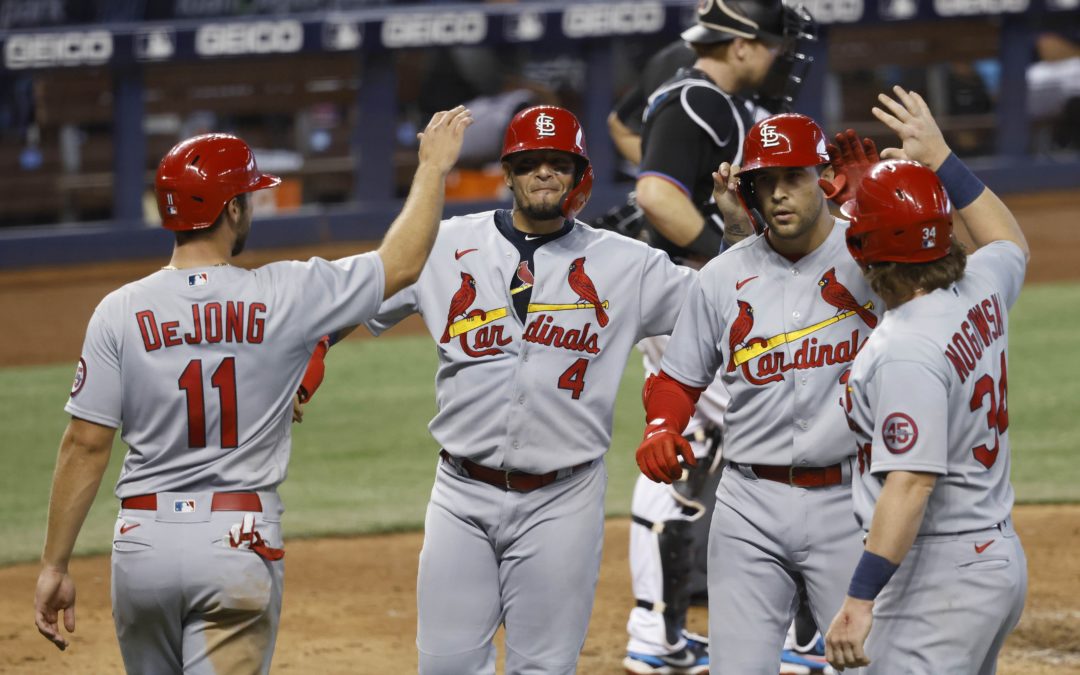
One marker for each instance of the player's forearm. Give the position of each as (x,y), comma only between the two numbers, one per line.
(668,402)
(987,220)
(408,242)
(669,210)
(898,514)
(626,141)
(981,212)
(80,464)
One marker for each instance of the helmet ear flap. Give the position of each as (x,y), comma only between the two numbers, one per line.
(576,198)
(748,199)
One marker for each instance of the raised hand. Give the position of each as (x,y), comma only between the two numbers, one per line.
(726,195)
(911,119)
(850,159)
(440,141)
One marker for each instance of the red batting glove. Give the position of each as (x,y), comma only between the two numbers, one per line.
(851,158)
(658,455)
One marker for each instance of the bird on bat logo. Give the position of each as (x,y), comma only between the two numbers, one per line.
(582,285)
(837,295)
(459,304)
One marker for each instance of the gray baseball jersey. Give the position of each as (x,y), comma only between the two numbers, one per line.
(533,334)
(534,395)
(199,366)
(783,332)
(928,393)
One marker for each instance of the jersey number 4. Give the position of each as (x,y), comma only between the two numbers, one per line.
(224,380)
(573,378)
(997,417)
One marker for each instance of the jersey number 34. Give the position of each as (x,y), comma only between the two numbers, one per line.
(997,417)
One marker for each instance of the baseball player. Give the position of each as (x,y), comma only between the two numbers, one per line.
(198,364)
(943,576)
(533,315)
(693,122)
(780,317)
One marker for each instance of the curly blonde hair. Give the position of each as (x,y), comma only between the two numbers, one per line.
(897,283)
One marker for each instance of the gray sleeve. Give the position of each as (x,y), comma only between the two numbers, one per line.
(911,418)
(95,393)
(394,309)
(332,294)
(1003,263)
(693,355)
(661,291)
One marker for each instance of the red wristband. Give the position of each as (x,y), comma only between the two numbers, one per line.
(316,369)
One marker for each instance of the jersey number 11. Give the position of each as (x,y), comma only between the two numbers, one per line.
(224,380)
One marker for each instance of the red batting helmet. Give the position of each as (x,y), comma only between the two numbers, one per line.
(549,127)
(790,139)
(787,140)
(900,214)
(198,177)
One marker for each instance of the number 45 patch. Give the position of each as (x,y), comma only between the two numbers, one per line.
(899,433)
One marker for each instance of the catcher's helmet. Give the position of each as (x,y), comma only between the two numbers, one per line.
(787,140)
(767,20)
(900,214)
(722,20)
(198,177)
(549,127)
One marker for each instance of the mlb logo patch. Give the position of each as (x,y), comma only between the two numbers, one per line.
(184,506)
(200,279)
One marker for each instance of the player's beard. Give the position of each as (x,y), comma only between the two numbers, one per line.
(540,211)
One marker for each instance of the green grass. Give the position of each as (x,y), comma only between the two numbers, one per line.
(1044,393)
(363,460)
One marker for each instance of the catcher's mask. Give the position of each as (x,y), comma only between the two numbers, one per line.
(549,127)
(770,21)
(786,140)
(900,214)
(198,177)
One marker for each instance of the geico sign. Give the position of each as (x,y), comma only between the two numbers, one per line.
(418,30)
(41,50)
(836,11)
(621,18)
(259,37)
(964,7)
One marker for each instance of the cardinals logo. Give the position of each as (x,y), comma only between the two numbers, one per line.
(475,324)
(582,285)
(459,304)
(545,125)
(740,328)
(837,295)
(770,137)
(808,350)
(525,276)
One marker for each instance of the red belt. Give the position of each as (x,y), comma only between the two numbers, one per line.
(222,501)
(800,476)
(508,480)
